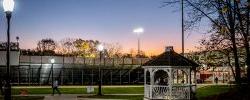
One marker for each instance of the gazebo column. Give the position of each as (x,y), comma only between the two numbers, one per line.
(193,89)
(190,82)
(170,83)
(145,82)
(151,83)
(145,77)
(195,81)
(189,76)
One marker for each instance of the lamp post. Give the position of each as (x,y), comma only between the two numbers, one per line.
(17,41)
(8,6)
(100,48)
(138,32)
(182,27)
(52,70)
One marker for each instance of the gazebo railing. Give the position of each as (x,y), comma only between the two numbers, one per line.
(160,92)
(163,92)
(181,92)
(156,92)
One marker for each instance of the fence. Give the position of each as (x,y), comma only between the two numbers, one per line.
(37,70)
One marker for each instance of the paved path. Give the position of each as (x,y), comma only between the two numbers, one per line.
(105,86)
(61,97)
(98,99)
(74,97)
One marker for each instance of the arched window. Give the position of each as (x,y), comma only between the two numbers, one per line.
(180,77)
(161,77)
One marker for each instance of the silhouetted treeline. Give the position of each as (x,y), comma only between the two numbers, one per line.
(78,47)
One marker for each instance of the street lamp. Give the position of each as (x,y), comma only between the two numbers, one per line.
(8,6)
(138,32)
(17,41)
(52,61)
(100,48)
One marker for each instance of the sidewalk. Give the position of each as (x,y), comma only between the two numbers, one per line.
(81,86)
(61,97)
(74,96)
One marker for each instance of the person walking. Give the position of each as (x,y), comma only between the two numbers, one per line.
(2,83)
(216,80)
(55,87)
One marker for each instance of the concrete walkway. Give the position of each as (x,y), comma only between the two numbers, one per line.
(98,99)
(74,97)
(61,97)
(80,86)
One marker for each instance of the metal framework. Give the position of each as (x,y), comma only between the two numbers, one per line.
(36,75)
(37,70)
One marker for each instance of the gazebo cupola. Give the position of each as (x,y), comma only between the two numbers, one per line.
(169,76)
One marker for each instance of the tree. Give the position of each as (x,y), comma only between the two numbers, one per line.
(113,49)
(222,46)
(46,46)
(13,46)
(67,46)
(242,10)
(226,15)
(86,48)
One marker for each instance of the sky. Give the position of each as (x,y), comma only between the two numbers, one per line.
(110,21)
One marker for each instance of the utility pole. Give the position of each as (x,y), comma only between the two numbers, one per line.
(182,26)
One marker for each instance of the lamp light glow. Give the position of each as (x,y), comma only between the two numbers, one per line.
(52,61)
(8,5)
(139,30)
(100,47)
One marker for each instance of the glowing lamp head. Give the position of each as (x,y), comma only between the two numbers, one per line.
(139,30)
(100,47)
(52,61)
(8,5)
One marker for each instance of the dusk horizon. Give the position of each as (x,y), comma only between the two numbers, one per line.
(107,21)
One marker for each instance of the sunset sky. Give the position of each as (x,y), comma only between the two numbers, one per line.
(110,21)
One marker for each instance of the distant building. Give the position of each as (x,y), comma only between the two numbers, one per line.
(216,64)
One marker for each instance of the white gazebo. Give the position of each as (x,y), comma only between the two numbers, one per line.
(169,76)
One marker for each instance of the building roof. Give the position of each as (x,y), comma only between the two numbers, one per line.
(170,58)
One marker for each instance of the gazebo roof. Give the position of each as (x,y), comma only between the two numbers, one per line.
(170,58)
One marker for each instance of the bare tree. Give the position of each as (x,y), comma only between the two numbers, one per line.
(67,46)
(113,49)
(226,15)
(46,45)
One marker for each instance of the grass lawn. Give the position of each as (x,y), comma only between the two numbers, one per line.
(105,90)
(25,98)
(130,97)
(211,90)
(201,93)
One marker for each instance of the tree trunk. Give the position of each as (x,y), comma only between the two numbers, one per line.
(247,47)
(229,63)
(236,59)
(245,35)
(248,61)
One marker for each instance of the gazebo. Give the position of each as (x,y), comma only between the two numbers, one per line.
(169,76)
